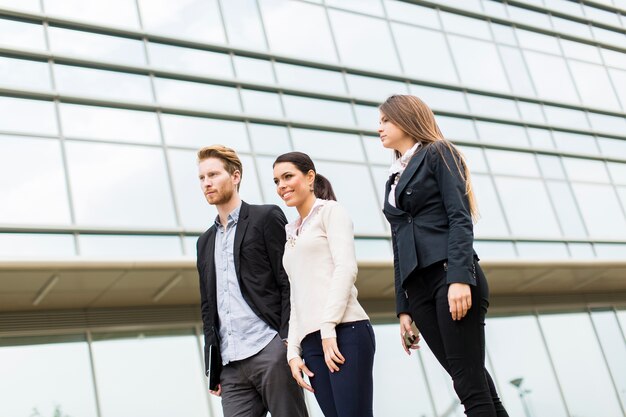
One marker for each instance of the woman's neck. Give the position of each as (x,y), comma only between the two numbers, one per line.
(405,146)
(305,208)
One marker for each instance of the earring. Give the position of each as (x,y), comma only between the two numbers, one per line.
(311,187)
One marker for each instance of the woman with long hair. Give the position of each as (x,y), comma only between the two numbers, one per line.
(430,205)
(330,337)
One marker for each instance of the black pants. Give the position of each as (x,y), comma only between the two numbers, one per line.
(458,345)
(349,392)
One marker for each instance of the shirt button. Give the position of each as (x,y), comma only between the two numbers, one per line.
(410,220)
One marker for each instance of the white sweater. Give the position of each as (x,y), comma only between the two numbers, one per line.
(322,269)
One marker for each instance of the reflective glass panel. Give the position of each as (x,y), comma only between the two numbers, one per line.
(374,88)
(585,170)
(618,78)
(608,36)
(551,77)
(328,145)
(111,85)
(31,173)
(465,25)
(479,64)
(255,70)
(531,112)
(542,250)
(365,6)
(613,346)
(298,29)
(540,138)
(412,13)
(609,124)
(424,53)
(195,95)
(197,132)
(20,35)
(95,46)
(570,27)
(357,36)
(581,250)
(250,190)
(538,41)
(376,154)
(500,133)
(243,24)
(494,250)
(194,19)
(551,167)
(503,33)
(516,70)
(456,129)
(24,74)
(28,116)
(610,251)
(573,142)
(560,116)
(373,250)
(491,221)
(475,158)
(603,16)
(318,111)
(493,106)
(109,13)
(618,172)
(260,103)
(127,364)
(106,123)
(594,199)
(440,99)
(530,17)
(36,246)
(367,117)
(64,388)
(195,61)
(512,163)
(536,219)
(586,386)
(582,51)
(30,5)
(134,247)
(614,58)
(119,185)
(303,78)
(273,140)
(594,85)
(528,361)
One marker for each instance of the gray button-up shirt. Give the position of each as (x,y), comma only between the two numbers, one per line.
(242,333)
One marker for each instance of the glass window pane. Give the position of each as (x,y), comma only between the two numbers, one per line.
(367,117)
(189,243)
(303,78)
(586,170)
(529,361)
(250,191)
(613,346)
(586,384)
(30,5)
(479,64)
(614,58)
(328,145)
(542,250)
(298,29)
(594,85)
(15,34)
(576,143)
(24,74)
(538,41)
(119,185)
(127,364)
(614,148)
(560,116)
(493,107)
(109,13)
(474,158)
(374,88)
(243,24)
(551,167)
(318,111)
(31,172)
(412,13)
(618,172)
(530,17)
(376,154)
(571,28)
(502,134)
(610,251)
(551,77)
(365,6)
(594,199)
(194,210)
(415,44)
(531,220)
(531,112)
(357,36)
(603,16)
(95,46)
(192,132)
(581,250)
(273,140)
(373,250)
(28,116)
(260,103)
(607,36)
(105,123)
(609,124)
(512,163)
(491,222)
(581,51)
(494,250)
(134,247)
(457,129)
(36,246)
(111,85)
(516,71)
(540,138)
(465,25)
(193,19)
(503,33)
(32,389)
(618,79)
(441,99)
(188,60)
(254,70)
(195,95)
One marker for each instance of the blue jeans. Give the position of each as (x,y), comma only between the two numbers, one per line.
(349,392)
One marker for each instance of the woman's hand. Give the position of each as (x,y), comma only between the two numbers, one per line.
(332,356)
(297,367)
(459,299)
(405,328)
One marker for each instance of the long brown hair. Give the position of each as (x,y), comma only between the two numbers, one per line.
(417,120)
(321,186)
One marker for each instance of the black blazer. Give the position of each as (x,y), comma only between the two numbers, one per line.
(432,220)
(258,252)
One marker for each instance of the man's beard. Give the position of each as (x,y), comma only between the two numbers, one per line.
(222,197)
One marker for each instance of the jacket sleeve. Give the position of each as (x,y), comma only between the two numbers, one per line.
(275,238)
(340,235)
(456,203)
(402,303)
(209,332)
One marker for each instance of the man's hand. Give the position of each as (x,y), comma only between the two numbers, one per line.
(332,356)
(459,299)
(217,393)
(297,367)
(405,327)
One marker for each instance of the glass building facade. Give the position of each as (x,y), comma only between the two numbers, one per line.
(104,103)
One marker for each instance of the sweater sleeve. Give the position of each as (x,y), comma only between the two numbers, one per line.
(340,236)
(293,339)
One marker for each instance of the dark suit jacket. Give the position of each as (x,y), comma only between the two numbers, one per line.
(258,252)
(432,220)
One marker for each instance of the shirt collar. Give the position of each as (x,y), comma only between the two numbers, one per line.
(292,228)
(398,165)
(233,217)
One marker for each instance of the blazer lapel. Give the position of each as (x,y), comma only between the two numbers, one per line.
(242,225)
(211,276)
(409,171)
(388,208)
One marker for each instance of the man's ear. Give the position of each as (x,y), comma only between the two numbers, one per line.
(236,177)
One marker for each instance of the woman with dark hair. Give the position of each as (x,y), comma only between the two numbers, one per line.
(430,205)
(330,337)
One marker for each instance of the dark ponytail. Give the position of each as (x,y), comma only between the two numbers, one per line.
(321,186)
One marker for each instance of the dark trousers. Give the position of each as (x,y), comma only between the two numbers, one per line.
(253,386)
(458,345)
(349,392)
